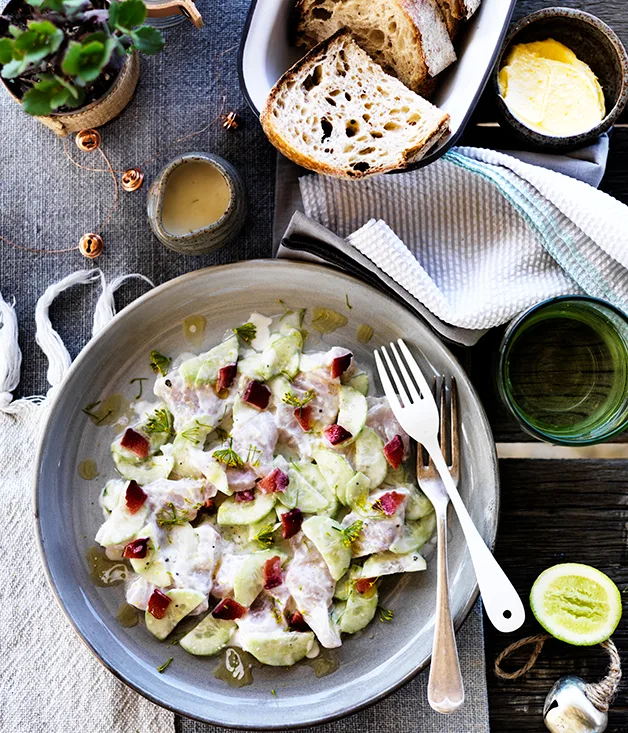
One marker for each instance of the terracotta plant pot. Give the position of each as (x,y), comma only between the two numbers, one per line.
(102,110)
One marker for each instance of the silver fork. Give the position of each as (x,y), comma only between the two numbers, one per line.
(415,409)
(445,690)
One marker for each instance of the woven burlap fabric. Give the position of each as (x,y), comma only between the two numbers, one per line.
(51,683)
(47,202)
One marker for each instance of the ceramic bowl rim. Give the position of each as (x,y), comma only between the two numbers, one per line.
(164,174)
(85,355)
(539,138)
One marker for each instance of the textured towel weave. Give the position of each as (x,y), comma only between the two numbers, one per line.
(479,236)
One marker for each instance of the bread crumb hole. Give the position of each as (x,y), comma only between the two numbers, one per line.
(376,134)
(334,92)
(413,119)
(321,13)
(366,117)
(378,38)
(330,100)
(352,127)
(391,126)
(327,128)
(366,151)
(313,79)
(361,167)
(347,96)
(392,27)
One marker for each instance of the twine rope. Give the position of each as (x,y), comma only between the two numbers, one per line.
(601,694)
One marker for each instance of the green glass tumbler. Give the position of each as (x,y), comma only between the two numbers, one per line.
(563,370)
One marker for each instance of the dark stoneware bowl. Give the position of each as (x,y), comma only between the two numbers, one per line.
(594,43)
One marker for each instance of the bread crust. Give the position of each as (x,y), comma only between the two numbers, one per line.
(308,161)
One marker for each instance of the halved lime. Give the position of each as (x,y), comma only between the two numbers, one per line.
(576,603)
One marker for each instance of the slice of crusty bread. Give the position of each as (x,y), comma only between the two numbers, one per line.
(338,113)
(452,11)
(408,38)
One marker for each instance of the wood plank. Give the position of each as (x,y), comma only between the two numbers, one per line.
(552,512)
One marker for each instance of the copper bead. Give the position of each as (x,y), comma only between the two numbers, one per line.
(88,140)
(132,179)
(91,245)
(230,121)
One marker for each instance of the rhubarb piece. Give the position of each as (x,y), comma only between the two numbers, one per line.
(276,480)
(136,443)
(272,572)
(364,585)
(336,434)
(291,523)
(209,507)
(246,495)
(136,550)
(158,604)
(229,610)
(297,622)
(390,502)
(340,364)
(303,416)
(226,375)
(134,497)
(393,450)
(256,394)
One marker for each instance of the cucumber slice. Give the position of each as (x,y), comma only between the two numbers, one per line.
(415,535)
(152,567)
(209,637)
(353,410)
(278,648)
(302,493)
(203,369)
(370,458)
(183,602)
(418,505)
(281,356)
(249,580)
(360,382)
(327,536)
(144,472)
(314,477)
(110,495)
(344,585)
(357,492)
(216,476)
(280,387)
(388,563)
(336,471)
(358,611)
(245,512)
(121,526)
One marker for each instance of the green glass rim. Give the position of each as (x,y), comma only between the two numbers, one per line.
(505,395)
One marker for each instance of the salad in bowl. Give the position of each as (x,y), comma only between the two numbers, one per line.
(265,492)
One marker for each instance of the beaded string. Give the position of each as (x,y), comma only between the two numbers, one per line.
(229,122)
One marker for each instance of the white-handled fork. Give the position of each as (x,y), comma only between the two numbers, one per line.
(414,407)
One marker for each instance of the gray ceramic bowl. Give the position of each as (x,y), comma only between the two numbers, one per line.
(594,43)
(209,238)
(372,663)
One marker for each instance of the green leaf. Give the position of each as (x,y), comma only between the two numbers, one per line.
(85,61)
(114,10)
(49,93)
(41,39)
(37,101)
(6,50)
(14,68)
(15,31)
(129,14)
(147,39)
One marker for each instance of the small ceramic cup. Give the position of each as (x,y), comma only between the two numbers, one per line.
(594,43)
(213,236)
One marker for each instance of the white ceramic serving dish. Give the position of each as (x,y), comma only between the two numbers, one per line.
(266,53)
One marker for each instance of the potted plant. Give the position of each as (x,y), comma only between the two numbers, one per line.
(73,63)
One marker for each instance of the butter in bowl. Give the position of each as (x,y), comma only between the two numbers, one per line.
(562,78)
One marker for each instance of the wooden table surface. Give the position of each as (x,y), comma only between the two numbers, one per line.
(568,510)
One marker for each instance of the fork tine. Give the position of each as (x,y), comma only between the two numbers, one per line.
(405,374)
(414,368)
(389,390)
(396,379)
(455,432)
